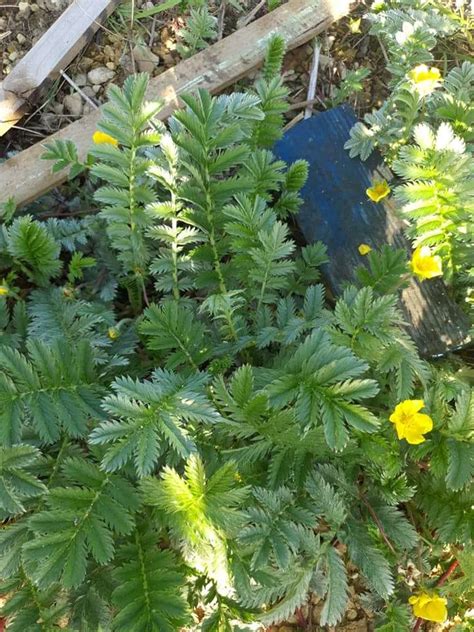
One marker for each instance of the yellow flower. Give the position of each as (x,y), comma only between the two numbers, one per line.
(425,265)
(101,137)
(425,79)
(364,249)
(3,290)
(113,333)
(378,191)
(431,608)
(409,422)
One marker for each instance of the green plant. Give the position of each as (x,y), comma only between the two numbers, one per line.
(201,27)
(350,85)
(227,449)
(437,113)
(437,196)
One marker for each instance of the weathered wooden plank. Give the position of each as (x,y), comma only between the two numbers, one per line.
(336,210)
(25,176)
(52,53)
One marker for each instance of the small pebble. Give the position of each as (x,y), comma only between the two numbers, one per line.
(24,9)
(88,90)
(58,108)
(146,60)
(73,104)
(108,51)
(21,38)
(100,75)
(125,64)
(351,614)
(80,79)
(86,62)
(13,56)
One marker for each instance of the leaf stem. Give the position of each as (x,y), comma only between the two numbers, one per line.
(378,523)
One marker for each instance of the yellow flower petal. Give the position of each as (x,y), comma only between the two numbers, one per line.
(101,138)
(400,430)
(3,290)
(425,79)
(364,249)
(413,436)
(409,423)
(378,191)
(423,73)
(425,265)
(430,608)
(423,422)
(407,408)
(436,610)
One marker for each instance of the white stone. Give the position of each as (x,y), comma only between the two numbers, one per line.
(73,104)
(80,79)
(100,75)
(24,8)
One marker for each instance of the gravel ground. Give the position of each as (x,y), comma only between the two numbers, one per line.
(118,49)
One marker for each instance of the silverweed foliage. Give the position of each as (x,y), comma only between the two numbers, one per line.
(191,437)
(425,128)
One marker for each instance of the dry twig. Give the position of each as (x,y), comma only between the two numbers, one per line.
(78,90)
(250,16)
(220,20)
(313,78)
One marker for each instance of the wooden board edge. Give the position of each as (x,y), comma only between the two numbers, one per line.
(13,103)
(25,177)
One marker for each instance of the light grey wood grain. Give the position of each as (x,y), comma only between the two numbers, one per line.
(52,53)
(26,176)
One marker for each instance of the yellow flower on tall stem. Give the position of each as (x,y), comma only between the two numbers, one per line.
(425,265)
(378,191)
(101,138)
(410,424)
(425,79)
(429,607)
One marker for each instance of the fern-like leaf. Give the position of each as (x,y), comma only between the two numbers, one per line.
(150,417)
(48,390)
(150,592)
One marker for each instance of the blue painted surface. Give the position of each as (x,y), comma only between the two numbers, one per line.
(336,208)
(337,211)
